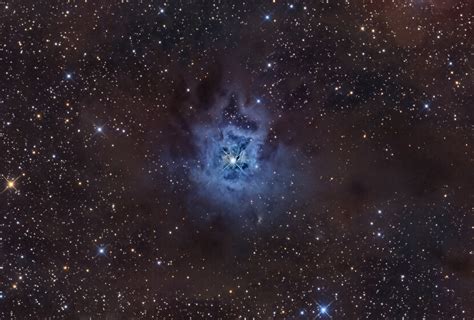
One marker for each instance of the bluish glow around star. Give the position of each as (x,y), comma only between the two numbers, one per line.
(235,167)
(102,250)
(323,310)
(231,158)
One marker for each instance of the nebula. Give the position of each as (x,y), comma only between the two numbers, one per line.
(237,170)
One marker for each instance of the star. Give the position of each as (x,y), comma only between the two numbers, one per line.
(102,251)
(323,310)
(10,184)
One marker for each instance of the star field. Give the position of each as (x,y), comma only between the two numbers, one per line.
(236,159)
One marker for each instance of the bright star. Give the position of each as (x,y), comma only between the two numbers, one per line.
(323,310)
(10,184)
(102,250)
(267,17)
(234,160)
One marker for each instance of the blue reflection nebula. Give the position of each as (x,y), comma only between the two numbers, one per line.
(237,168)
(230,159)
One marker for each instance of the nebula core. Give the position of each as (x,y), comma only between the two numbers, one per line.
(236,170)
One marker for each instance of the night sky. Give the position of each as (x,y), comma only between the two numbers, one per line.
(236,159)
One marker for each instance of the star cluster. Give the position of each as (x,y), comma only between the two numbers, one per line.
(236,159)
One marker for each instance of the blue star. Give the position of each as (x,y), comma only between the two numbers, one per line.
(323,310)
(102,251)
(267,17)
